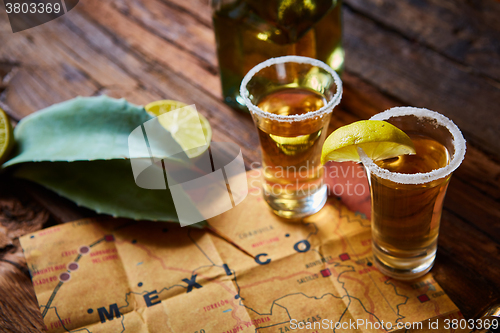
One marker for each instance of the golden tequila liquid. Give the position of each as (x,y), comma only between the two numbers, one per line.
(251,31)
(291,151)
(406,217)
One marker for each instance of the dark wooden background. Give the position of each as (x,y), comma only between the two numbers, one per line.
(439,54)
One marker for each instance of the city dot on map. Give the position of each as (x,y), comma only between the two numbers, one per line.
(423,298)
(344,256)
(302,247)
(287,235)
(84,249)
(236,296)
(64,277)
(369,264)
(109,238)
(89,311)
(326,272)
(73,266)
(139,284)
(32,236)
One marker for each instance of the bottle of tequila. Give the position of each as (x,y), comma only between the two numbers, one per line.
(251,31)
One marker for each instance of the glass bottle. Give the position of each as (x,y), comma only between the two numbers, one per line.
(251,31)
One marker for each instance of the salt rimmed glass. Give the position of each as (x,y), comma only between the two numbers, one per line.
(291,141)
(407,207)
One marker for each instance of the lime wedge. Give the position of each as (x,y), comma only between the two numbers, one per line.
(380,140)
(183,124)
(6,136)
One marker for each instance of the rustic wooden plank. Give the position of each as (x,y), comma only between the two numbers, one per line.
(199,9)
(175,25)
(472,205)
(467,265)
(61,209)
(469,247)
(464,31)
(18,304)
(154,49)
(34,88)
(362,98)
(466,287)
(418,76)
(64,67)
(165,83)
(18,215)
(482,172)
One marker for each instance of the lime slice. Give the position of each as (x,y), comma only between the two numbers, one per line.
(380,140)
(6,136)
(183,124)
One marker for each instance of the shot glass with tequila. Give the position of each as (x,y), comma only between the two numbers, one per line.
(408,191)
(291,99)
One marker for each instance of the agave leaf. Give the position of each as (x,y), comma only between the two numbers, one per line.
(81,129)
(92,134)
(104,186)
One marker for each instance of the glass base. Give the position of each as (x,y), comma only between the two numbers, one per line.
(297,208)
(404,268)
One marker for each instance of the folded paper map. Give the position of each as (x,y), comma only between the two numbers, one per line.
(252,273)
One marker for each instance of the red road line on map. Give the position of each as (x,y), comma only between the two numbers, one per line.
(344,244)
(342,238)
(334,271)
(148,252)
(436,303)
(368,250)
(233,314)
(274,278)
(366,291)
(436,307)
(346,216)
(372,306)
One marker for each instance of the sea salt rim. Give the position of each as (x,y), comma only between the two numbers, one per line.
(335,100)
(419,178)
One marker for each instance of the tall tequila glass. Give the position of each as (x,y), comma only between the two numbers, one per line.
(291,100)
(408,191)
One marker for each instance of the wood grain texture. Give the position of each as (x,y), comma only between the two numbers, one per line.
(419,76)
(465,32)
(443,55)
(18,215)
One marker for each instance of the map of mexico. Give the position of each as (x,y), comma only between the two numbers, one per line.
(113,275)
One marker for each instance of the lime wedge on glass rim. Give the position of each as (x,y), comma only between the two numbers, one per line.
(6,136)
(183,125)
(379,140)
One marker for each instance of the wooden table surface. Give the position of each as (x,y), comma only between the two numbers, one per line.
(443,55)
